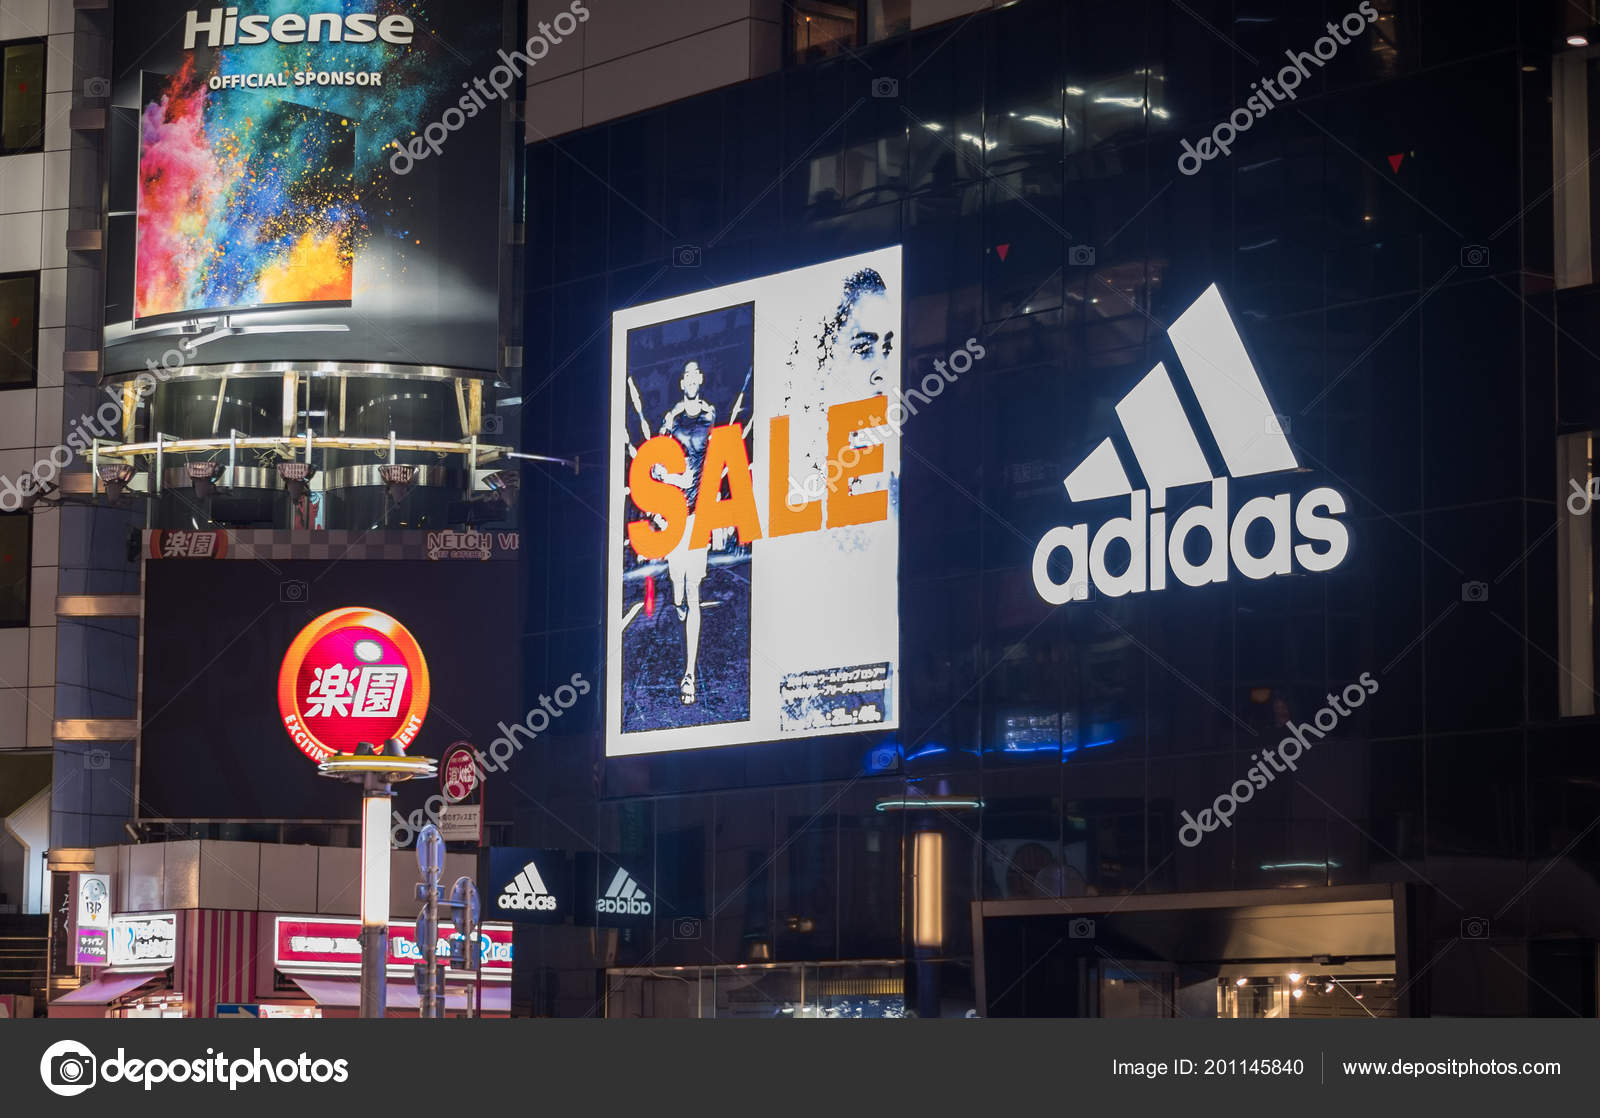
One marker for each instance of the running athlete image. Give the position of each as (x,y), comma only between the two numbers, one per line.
(690,422)
(684,654)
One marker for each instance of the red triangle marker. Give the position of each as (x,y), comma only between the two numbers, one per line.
(1394,162)
(1002,250)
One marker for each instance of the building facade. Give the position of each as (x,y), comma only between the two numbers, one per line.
(1229,623)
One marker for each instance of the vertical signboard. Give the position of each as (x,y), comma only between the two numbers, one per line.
(91,934)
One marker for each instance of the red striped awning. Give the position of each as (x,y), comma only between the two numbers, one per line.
(217,958)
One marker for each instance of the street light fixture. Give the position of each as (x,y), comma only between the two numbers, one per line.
(376,772)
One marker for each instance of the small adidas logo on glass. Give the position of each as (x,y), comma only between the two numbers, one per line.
(527,891)
(623,895)
(1251,439)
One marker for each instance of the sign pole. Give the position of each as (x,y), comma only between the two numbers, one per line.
(483,816)
(430,987)
(375,837)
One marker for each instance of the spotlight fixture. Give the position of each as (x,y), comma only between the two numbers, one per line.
(1300,992)
(1577,40)
(202,478)
(507,483)
(296,477)
(1294,977)
(1240,981)
(397,478)
(115,479)
(32,490)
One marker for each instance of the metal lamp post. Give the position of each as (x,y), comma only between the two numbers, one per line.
(376,773)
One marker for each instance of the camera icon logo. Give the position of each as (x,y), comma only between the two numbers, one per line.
(885,87)
(1081,928)
(1474,927)
(67,1068)
(1474,256)
(494,425)
(686,927)
(96,87)
(293,591)
(97,759)
(1277,425)
(686,256)
(1080,256)
(1474,591)
(882,759)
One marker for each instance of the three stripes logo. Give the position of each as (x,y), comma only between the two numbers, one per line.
(623,895)
(1166,449)
(527,891)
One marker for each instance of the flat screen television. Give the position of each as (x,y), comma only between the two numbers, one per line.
(246,202)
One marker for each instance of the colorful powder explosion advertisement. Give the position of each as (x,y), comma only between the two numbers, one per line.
(255,185)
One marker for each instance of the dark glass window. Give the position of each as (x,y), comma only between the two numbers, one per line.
(16,547)
(22,98)
(19,329)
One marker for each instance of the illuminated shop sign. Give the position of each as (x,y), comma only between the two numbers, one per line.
(1197,547)
(752,587)
(528,886)
(352,675)
(145,940)
(92,919)
(332,945)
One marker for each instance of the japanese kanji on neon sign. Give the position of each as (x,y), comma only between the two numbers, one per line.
(352,675)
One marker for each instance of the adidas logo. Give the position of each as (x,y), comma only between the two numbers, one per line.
(623,895)
(527,891)
(1168,453)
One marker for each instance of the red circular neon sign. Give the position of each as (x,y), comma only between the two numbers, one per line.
(352,675)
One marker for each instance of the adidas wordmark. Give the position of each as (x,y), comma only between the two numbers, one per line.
(527,891)
(623,895)
(1168,453)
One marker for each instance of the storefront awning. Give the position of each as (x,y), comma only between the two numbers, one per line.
(345,992)
(108,988)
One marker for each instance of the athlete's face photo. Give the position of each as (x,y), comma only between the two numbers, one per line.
(693,378)
(865,345)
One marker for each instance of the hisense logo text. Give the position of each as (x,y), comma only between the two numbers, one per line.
(223,27)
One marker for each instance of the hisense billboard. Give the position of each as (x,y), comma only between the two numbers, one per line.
(309,180)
